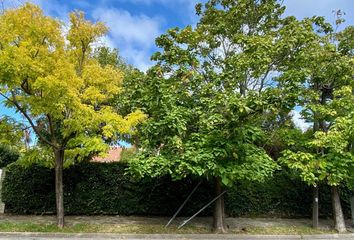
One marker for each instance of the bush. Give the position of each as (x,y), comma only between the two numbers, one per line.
(281,195)
(28,190)
(7,155)
(127,154)
(97,188)
(104,188)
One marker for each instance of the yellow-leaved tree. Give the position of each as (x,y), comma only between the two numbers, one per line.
(51,78)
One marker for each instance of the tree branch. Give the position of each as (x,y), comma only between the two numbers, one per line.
(25,114)
(264,77)
(25,87)
(51,130)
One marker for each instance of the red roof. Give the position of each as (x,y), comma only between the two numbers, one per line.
(113,155)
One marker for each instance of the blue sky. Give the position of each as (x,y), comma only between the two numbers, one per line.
(134,24)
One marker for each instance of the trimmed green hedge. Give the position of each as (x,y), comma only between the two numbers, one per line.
(7,155)
(104,188)
(96,188)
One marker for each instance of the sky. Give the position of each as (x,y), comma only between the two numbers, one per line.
(134,24)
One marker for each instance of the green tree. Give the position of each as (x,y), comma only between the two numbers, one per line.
(333,160)
(54,81)
(132,90)
(325,157)
(110,57)
(211,88)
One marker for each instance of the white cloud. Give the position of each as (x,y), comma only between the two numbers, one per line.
(106,41)
(184,8)
(306,8)
(146,1)
(149,2)
(140,57)
(299,121)
(133,35)
(139,29)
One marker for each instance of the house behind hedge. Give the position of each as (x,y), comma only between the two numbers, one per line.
(113,155)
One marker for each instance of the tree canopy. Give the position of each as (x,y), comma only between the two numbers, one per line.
(326,99)
(215,88)
(53,80)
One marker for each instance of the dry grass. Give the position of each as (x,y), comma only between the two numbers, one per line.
(289,230)
(151,229)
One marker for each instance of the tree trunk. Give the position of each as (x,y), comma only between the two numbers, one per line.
(219,211)
(352,208)
(338,217)
(315,207)
(59,193)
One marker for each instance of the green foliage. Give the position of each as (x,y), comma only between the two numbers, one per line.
(311,168)
(41,156)
(8,155)
(52,78)
(127,154)
(55,82)
(327,101)
(346,41)
(333,162)
(213,85)
(131,92)
(110,57)
(285,138)
(281,195)
(97,188)
(104,188)
(11,132)
(28,188)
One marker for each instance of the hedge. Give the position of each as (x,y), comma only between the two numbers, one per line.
(7,155)
(105,188)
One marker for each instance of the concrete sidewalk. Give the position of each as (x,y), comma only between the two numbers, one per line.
(103,236)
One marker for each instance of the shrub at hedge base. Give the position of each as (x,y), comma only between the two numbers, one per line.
(105,188)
